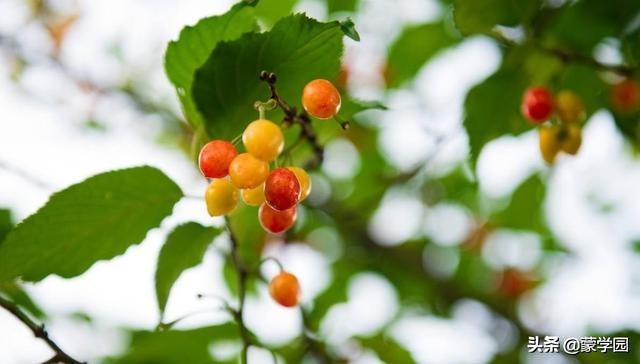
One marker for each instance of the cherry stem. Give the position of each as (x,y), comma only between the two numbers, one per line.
(236,140)
(39,332)
(292,116)
(272,259)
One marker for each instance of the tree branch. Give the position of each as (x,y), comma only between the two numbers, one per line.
(39,332)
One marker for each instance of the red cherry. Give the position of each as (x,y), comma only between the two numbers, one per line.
(275,221)
(537,104)
(215,157)
(626,96)
(282,189)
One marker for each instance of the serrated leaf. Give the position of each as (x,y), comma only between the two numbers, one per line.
(176,346)
(96,219)
(415,47)
(298,49)
(185,247)
(474,16)
(492,109)
(195,43)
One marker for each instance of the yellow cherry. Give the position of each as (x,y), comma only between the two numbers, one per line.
(221,197)
(263,139)
(247,171)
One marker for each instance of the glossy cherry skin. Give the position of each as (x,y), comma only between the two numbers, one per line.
(215,158)
(537,104)
(282,189)
(221,197)
(285,289)
(321,99)
(247,171)
(275,221)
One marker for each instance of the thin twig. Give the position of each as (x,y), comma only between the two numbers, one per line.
(292,116)
(243,274)
(39,332)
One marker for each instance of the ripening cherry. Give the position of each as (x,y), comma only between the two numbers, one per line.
(275,221)
(549,142)
(263,139)
(304,180)
(537,104)
(513,283)
(572,139)
(247,171)
(285,289)
(221,197)
(253,196)
(215,157)
(569,107)
(321,99)
(282,189)
(625,96)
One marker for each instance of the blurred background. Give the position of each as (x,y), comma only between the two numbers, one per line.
(397,243)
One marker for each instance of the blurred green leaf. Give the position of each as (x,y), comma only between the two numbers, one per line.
(185,247)
(334,6)
(270,11)
(249,235)
(481,16)
(414,47)
(387,349)
(349,29)
(605,19)
(195,43)
(20,297)
(93,220)
(525,209)
(176,346)
(492,109)
(350,107)
(6,223)
(298,49)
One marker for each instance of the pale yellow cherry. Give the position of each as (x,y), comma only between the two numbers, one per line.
(253,196)
(221,197)
(263,139)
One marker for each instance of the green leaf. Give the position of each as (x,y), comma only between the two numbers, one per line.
(349,29)
(6,223)
(270,11)
(481,16)
(93,220)
(185,247)
(387,349)
(20,297)
(249,235)
(334,6)
(524,211)
(415,47)
(350,107)
(195,43)
(298,49)
(176,346)
(492,109)
(605,19)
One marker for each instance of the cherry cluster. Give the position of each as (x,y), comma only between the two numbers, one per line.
(565,135)
(278,190)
